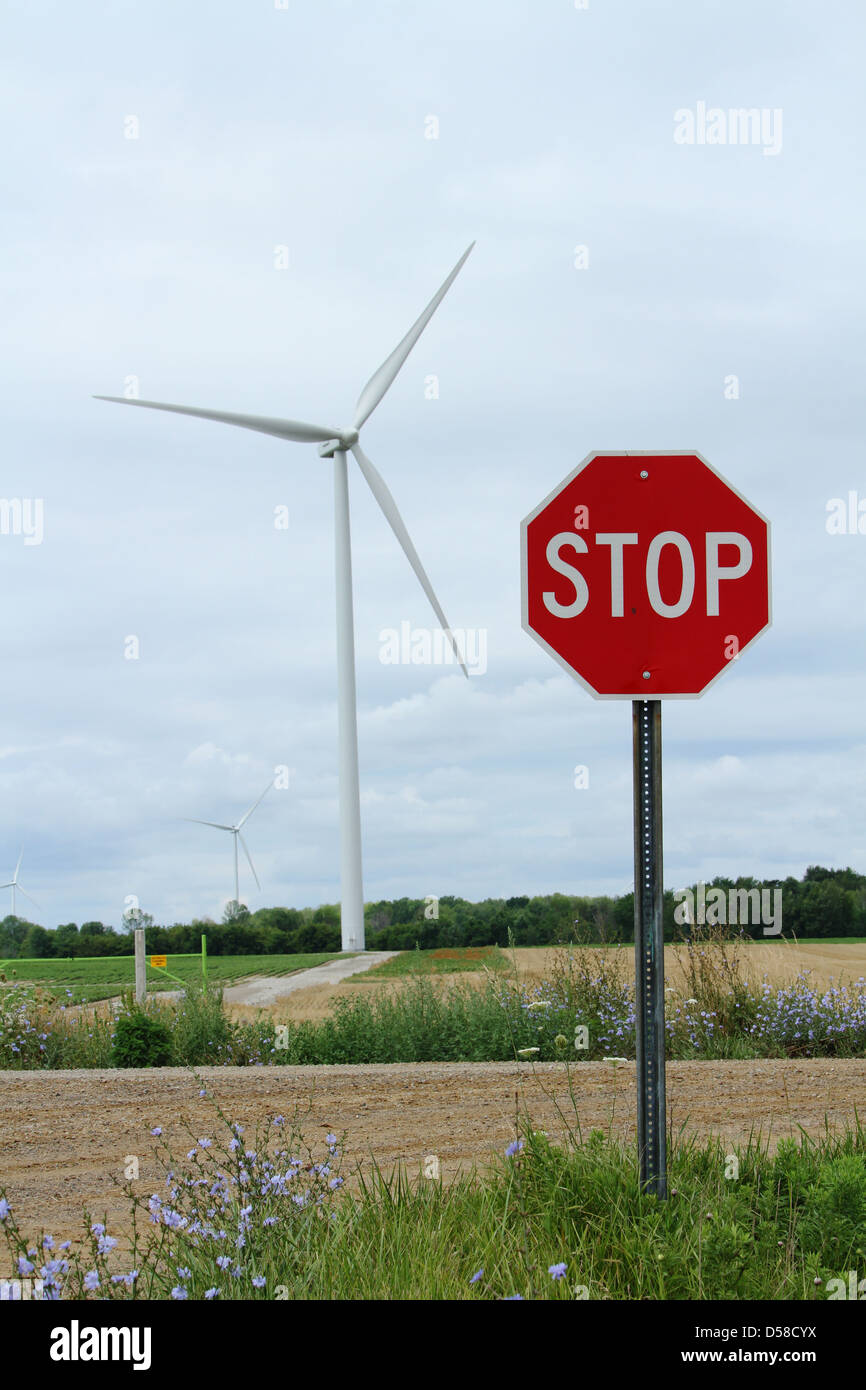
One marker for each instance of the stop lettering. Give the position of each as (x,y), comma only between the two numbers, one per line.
(645,575)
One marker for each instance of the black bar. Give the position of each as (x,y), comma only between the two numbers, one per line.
(649,945)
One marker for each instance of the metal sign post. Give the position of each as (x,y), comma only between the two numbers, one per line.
(645,576)
(649,957)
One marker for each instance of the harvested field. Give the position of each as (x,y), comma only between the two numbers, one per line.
(65,1136)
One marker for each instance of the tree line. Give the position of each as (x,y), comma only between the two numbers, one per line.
(824,903)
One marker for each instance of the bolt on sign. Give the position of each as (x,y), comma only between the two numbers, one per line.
(645,576)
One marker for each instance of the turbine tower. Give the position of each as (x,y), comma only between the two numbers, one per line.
(15,884)
(334,444)
(236,833)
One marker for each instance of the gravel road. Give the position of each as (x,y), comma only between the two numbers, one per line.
(268,989)
(64,1136)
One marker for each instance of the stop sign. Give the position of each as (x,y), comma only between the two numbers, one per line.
(645,574)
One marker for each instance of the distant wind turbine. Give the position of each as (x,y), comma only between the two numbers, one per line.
(236,832)
(15,884)
(334,443)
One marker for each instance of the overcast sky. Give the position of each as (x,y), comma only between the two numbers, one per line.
(242,205)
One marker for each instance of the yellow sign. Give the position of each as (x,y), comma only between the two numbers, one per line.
(158,962)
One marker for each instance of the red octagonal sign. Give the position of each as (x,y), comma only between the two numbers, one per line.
(645,575)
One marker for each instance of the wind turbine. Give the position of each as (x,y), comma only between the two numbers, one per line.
(15,884)
(236,832)
(334,443)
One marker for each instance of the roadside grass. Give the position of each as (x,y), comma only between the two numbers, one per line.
(583,1011)
(87,981)
(262,1217)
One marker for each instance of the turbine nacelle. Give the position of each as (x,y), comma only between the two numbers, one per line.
(344,441)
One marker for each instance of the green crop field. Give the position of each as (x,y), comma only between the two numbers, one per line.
(103,977)
(443,961)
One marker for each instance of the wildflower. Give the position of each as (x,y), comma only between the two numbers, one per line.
(223,1261)
(202,1092)
(211,1293)
(557,1271)
(106,1243)
(513,1148)
(272,1220)
(183,1273)
(179,1293)
(204,1143)
(259,1281)
(513,1297)
(476,1277)
(91,1280)
(48,1243)
(24,1266)
(157,1131)
(98,1228)
(4,1208)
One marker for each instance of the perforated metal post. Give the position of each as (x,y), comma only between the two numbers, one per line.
(649,945)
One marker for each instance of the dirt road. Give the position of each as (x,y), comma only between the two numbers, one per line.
(65,1135)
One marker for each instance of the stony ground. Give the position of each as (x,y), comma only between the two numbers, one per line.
(65,1137)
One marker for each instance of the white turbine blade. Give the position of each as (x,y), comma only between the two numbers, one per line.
(296,430)
(245,818)
(249,860)
(389,507)
(208,822)
(17,867)
(26,895)
(381,380)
